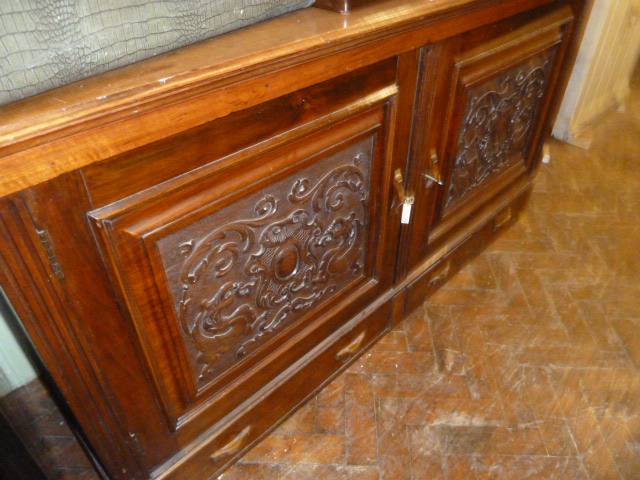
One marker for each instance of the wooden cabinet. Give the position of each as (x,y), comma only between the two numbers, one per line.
(194,260)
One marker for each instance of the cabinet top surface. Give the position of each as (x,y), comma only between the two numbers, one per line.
(269,46)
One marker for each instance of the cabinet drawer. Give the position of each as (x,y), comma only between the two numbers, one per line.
(327,358)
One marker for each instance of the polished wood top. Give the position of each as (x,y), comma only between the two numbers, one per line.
(66,128)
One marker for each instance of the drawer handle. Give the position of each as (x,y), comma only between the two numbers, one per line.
(398,183)
(233,446)
(442,275)
(352,348)
(433,170)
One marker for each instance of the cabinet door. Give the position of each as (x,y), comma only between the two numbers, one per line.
(482,110)
(235,271)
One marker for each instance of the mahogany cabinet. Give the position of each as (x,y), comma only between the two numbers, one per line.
(198,242)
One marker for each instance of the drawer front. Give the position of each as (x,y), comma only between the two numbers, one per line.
(231,274)
(323,362)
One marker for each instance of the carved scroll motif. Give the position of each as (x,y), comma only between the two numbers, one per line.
(498,123)
(238,282)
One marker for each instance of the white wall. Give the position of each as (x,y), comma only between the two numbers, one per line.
(15,368)
(605,62)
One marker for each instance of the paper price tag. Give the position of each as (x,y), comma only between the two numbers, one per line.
(406,213)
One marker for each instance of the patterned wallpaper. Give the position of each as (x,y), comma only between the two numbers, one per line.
(48,43)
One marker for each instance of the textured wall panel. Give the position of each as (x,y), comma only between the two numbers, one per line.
(48,43)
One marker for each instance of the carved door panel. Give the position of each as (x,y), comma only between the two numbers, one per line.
(235,271)
(483,104)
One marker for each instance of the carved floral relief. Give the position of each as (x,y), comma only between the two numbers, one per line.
(498,123)
(253,268)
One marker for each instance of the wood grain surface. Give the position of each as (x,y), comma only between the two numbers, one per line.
(120,110)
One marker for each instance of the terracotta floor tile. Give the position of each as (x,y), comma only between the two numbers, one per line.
(303,421)
(278,448)
(429,467)
(360,420)
(496,467)
(330,410)
(414,385)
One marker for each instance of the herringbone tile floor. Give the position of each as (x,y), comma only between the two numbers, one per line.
(524,366)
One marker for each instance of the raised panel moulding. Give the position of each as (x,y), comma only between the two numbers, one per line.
(288,249)
(497,124)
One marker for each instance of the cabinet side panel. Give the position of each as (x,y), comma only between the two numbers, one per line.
(110,359)
(30,282)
